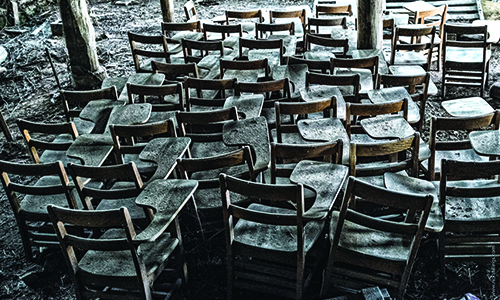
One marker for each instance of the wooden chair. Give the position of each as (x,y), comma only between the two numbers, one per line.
(175,72)
(130,140)
(5,128)
(260,66)
(205,130)
(206,171)
(75,101)
(224,31)
(189,30)
(389,28)
(165,99)
(458,148)
(434,17)
(29,201)
(288,14)
(161,52)
(416,85)
(470,211)
(202,48)
(367,68)
(318,66)
(274,91)
(337,80)
(333,10)
(115,193)
(323,22)
(328,43)
(465,63)
(287,131)
(36,137)
(268,248)
(118,262)
(418,53)
(275,45)
(263,30)
(234,16)
(209,93)
(373,250)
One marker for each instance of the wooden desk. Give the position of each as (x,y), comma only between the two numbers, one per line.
(296,74)
(319,55)
(418,6)
(406,184)
(486,142)
(387,127)
(363,53)
(321,92)
(414,70)
(244,75)
(326,179)
(129,114)
(142,78)
(91,149)
(166,198)
(248,106)
(272,55)
(467,107)
(350,34)
(289,42)
(164,152)
(99,109)
(253,132)
(395,94)
(118,82)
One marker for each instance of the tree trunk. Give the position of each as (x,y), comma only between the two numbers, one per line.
(370,14)
(167,9)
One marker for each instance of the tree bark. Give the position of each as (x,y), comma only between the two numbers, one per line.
(167,9)
(80,41)
(370,16)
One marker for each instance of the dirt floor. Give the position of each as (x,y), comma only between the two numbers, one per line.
(28,90)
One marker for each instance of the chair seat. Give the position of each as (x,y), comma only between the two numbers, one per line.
(142,166)
(159,116)
(120,263)
(83,126)
(210,149)
(146,64)
(49,156)
(371,242)
(410,58)
(366,79)
(136,212)
(271,237)
(470,55)
(36,205)
(462,155)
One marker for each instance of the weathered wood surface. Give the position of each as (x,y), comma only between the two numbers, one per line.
(321,92)
(467,107)
(363,53)
(319,55)
(248,106)
(289,42)
(99,109)
(407,184)
(142,78)
(386,127)
(91,149)
(414,70)
(325,179)
(396,94)
(366,78)
(129,114)
(253,132)
(350,34)
(118,82)
(458,10)
(49,156)
(296,74)
(164,152)
(244,75)
(486,142)
(273,56)
(166,198)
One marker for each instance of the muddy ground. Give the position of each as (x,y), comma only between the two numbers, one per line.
(28,90)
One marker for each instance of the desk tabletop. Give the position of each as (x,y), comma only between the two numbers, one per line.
(99,109)
(296,74)
(363,53)
(253,132)
(289,42)
(129,114)
(248,106)
(319,55)
(322,92)
(142,78)
(395,94)
(414,70)
(188,35)
(325,179)
(486,142)
(418,6)
(91,149)
(386,127)
(244,75)
(467,107)
(166,198)
(164,152)
(272,55)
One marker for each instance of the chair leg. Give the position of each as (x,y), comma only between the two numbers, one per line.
(181,261)
(441,254)
(5,128)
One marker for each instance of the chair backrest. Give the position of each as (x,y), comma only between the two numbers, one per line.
(203,48)
(456,31)
(388,27)
(261,64)
(297,110)
(262,29)
(283,154)
(63,136)
(355,110)
(125,137)
(224,30)
(262,44)
(120,222)
(333,10)
(324,22)
(82,174)
(415,34)
(204,126)
(75,101)
(167,27)
(188,166)
(147,93)
(327,42)
(411,83)
(28,199)
(456,123)
(275,14)
(157,41)
(212,87)
(369,63)
(337,80)
(175,72)
(312,65)
(433,17)
(385,148)
(394,273)
(190,11)
(267,88)
(254,14)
